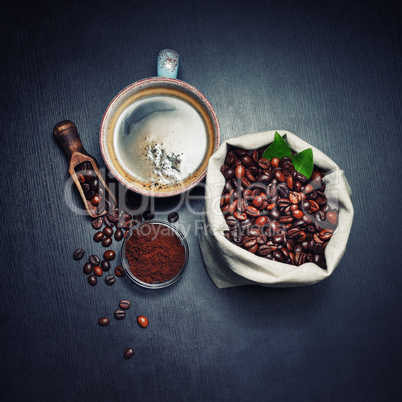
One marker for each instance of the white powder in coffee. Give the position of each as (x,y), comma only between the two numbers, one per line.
(166,166)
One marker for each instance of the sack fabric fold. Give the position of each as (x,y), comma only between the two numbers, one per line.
(229,265)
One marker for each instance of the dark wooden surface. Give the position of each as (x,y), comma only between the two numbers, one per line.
(330,72)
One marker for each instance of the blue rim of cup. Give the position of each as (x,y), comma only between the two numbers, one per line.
(154,285)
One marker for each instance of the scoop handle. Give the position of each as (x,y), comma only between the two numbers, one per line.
(168,63)
(66,134)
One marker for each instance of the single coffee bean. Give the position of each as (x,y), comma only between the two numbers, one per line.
(109,255)
(240,171)
(119,271)
(279,176)
(326,234)
(118,234)
(246,160)
(97,223)
(332,218)
(119,314)
(130,223)
(231,221)
(294,197)
(98,270)
(107,221)
(108,231)
(254,232)
(277,239)
(236,235)
(107,241)
(261,221)
(252,211)
(81,178)
(94,259)
(233,207)
(105,265)
(283,190)
(86,189)
(142,321)
(297,214)
(121,222)
(173,217)
(87,268)
(125,304)
(262,239)
(89,195)
(278,255)
(98,236)
(318,258)
(250,176)
(229,173)
(95,200)
(92,280)
(285,219)
(148,215)
(264,163)
(94,184)
(78,254)
(251,242)
(113,217)
(103,321)
(264,250)
(128,353)
(274,162)
(110,280)
(239,216)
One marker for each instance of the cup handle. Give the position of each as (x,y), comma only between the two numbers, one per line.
(168,63)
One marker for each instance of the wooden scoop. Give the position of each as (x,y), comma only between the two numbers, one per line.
(83,169)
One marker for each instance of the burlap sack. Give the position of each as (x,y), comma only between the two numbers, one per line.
(229,265)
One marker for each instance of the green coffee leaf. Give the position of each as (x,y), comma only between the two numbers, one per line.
(303,162)
(278,149)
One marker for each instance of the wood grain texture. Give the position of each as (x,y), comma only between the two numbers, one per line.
(328,72)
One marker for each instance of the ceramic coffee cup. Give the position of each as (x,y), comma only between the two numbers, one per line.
(158,133)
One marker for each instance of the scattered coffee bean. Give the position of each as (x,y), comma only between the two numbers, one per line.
(109,255)
(142,321)
(87,268)
(125,304)
(106,241)
(118,235)
(103,321)
(119,271)
(129,353)
(105,265)
(78,254)
(98,236)
(107,221)
(108,231)
(97,223)
(119,314)
(173,217)
(148,215)
(92,280)
(110,280)
(98,270)
(94,259)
